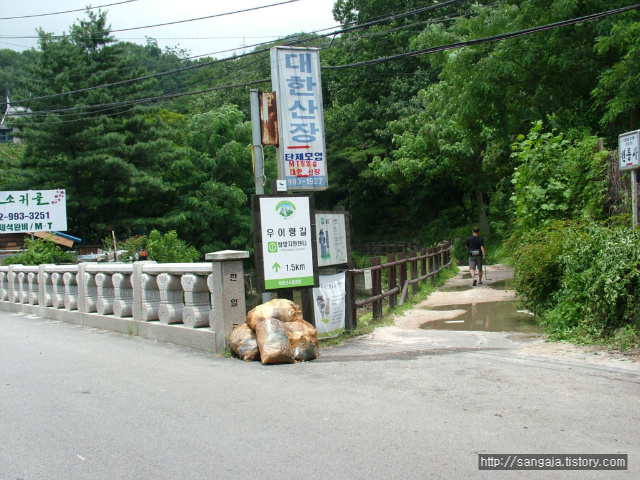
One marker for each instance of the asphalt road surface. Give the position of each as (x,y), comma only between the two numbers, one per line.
(80,403)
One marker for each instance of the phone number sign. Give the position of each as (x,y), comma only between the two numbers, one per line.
(25,211)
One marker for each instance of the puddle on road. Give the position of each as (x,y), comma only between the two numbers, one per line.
(507,284)
(459,288)
(486,317)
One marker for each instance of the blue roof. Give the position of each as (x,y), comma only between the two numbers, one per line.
(68,237)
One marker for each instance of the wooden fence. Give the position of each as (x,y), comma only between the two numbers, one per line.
(403,270)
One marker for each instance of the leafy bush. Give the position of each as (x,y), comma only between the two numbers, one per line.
(557,178)
(40,251)
(168,248)
(583,280)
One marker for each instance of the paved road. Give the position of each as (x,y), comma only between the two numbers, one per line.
(80,403)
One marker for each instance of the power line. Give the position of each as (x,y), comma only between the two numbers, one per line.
(479,41)
(172,23)
(378,20)
(66,11)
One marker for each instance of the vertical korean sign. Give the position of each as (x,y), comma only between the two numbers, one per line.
(284,241)
(295,76)
(33,211)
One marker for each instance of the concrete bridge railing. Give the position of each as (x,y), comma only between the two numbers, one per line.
(192,304)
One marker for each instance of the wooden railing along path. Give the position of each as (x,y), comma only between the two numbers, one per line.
(403,270)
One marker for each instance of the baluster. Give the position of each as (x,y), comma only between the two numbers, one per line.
(196,299)
(90,292)
(171,298)
(104,283)
(150,297)
(70,290)
(57,297)
(123,295)
(32,279)
(4,287)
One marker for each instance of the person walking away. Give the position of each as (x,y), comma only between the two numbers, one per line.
(477,253)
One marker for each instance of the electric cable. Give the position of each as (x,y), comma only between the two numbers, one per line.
(67,11)
(176,22)
(479,41)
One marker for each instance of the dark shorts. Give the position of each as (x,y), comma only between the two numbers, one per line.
(475,261)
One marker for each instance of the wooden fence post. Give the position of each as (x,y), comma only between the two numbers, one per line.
(402,257)
(376,287)
(431,264)
(351,320)
(423,263)
(414,271)
(393,298)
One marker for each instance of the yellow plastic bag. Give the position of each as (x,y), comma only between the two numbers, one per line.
(273,342)
(279,308)
(243,342)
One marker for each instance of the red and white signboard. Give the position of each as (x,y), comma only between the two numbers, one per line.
(295,76)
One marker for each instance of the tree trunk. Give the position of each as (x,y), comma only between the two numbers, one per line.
(483,221)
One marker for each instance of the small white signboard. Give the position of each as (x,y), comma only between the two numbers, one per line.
(26,211)
(329,305)
(287,242)
(628,150)
(331,236)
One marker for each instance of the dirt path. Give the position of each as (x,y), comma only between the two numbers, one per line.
(417,316)
(406,336)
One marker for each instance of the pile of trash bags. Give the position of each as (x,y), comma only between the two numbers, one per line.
(275,332)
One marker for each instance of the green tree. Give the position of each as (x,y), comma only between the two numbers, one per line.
(211,180)
(109,159)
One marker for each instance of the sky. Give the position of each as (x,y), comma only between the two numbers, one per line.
(201,37)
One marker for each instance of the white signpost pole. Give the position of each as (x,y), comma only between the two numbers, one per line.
(629,156)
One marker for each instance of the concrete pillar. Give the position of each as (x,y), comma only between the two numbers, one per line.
(226,284)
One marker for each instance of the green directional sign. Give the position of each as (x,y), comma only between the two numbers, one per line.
(288,244)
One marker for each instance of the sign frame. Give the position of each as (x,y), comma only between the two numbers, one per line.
(259,217)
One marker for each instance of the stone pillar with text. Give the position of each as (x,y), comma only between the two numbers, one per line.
(226,284)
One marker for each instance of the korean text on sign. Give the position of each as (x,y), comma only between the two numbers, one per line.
(296,79)
(33,211)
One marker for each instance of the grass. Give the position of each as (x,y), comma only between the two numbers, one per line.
(366,323)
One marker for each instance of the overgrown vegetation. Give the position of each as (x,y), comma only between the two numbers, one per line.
(40,251)
(575,268)
(167,248)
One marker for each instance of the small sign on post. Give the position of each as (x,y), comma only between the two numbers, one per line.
(628,153)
